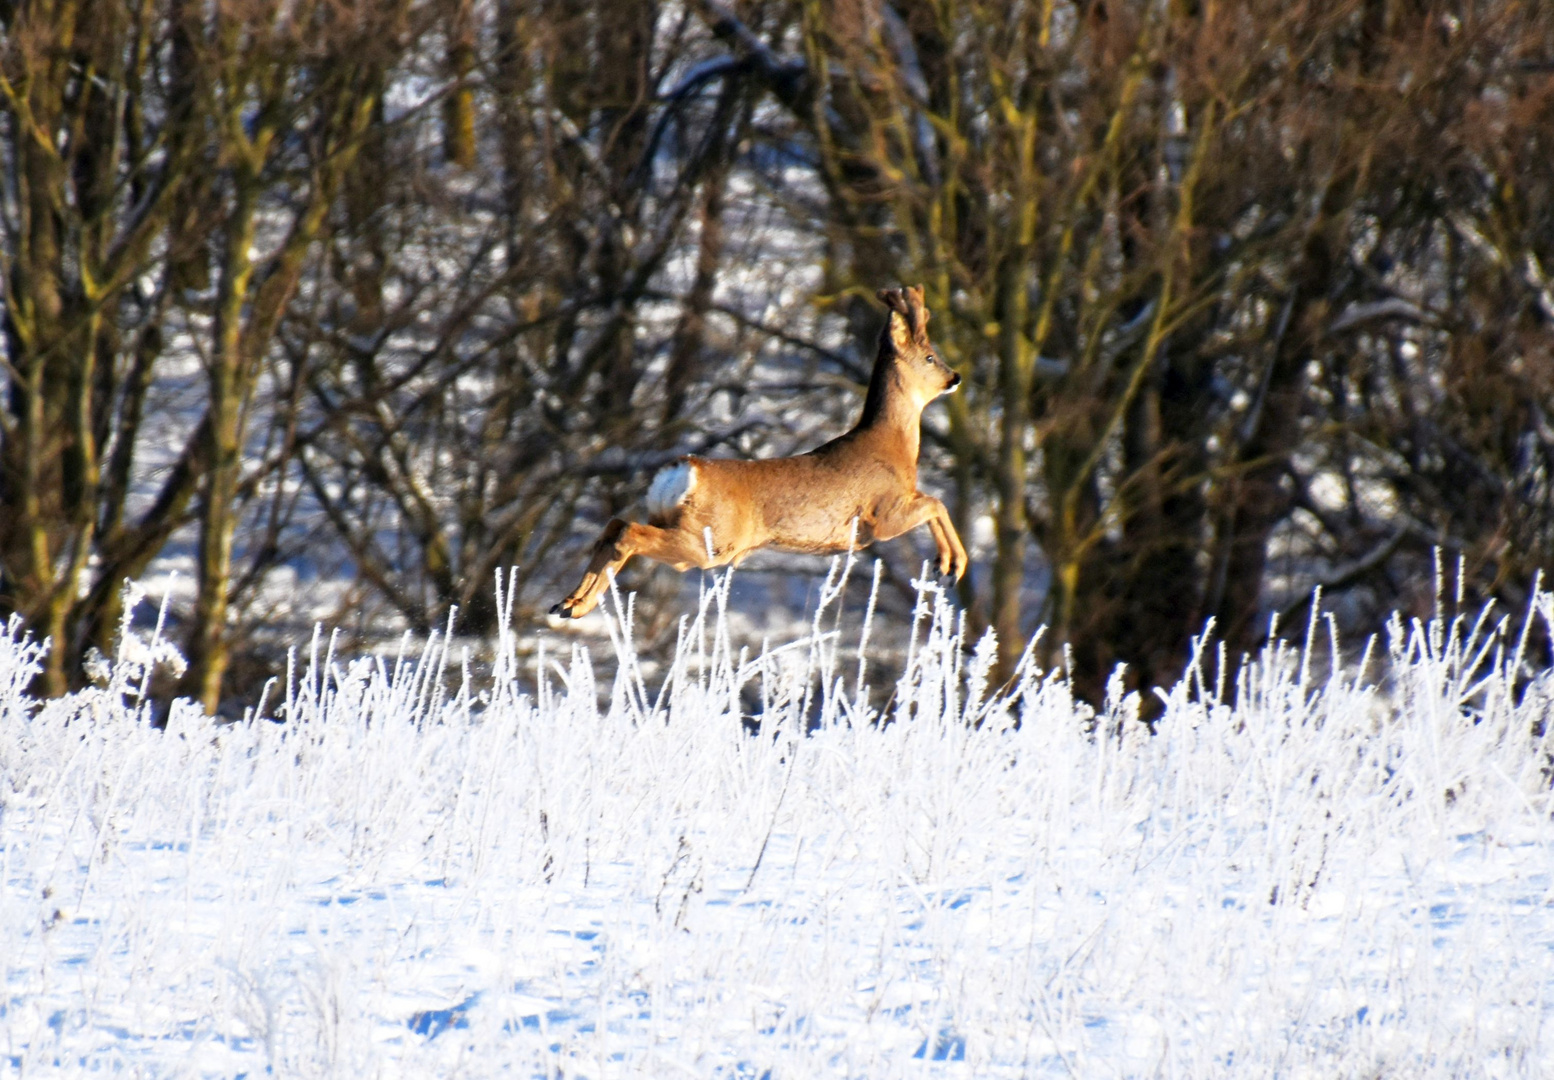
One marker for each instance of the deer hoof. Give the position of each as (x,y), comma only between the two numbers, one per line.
(563,609)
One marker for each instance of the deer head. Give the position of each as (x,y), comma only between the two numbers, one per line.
(906,356)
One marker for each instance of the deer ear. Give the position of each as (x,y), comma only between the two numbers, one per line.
(900,333)
(903,323)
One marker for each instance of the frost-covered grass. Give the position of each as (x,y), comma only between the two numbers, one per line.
(415,875)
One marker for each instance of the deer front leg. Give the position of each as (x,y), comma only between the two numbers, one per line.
(619,541)
(921,509)
(953,559)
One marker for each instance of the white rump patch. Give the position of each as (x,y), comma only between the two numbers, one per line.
(669,488)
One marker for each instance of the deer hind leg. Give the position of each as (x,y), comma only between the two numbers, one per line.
(925,509)
(621,540)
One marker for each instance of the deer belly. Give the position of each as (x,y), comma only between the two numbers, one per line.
(815,530)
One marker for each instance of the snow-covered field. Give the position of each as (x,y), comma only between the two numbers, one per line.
(418,874)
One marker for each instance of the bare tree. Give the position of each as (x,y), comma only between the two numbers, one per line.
(1247,298)
(93,172)
(512,381)
(1150,223)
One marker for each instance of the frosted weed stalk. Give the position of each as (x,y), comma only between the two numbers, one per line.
(419,873)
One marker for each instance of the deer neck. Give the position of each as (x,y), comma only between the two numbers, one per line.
(891,423)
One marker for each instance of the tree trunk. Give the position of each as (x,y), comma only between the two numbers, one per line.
(1010,527)
(208,652)
(1259,499)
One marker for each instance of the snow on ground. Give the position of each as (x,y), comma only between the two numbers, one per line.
(416,876)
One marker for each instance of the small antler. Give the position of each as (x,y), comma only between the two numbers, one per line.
(908,319)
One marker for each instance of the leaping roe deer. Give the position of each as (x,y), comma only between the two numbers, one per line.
(807,503)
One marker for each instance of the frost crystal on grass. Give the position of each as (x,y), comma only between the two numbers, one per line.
(413,875)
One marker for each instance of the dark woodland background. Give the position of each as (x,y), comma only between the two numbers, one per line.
(344,305)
